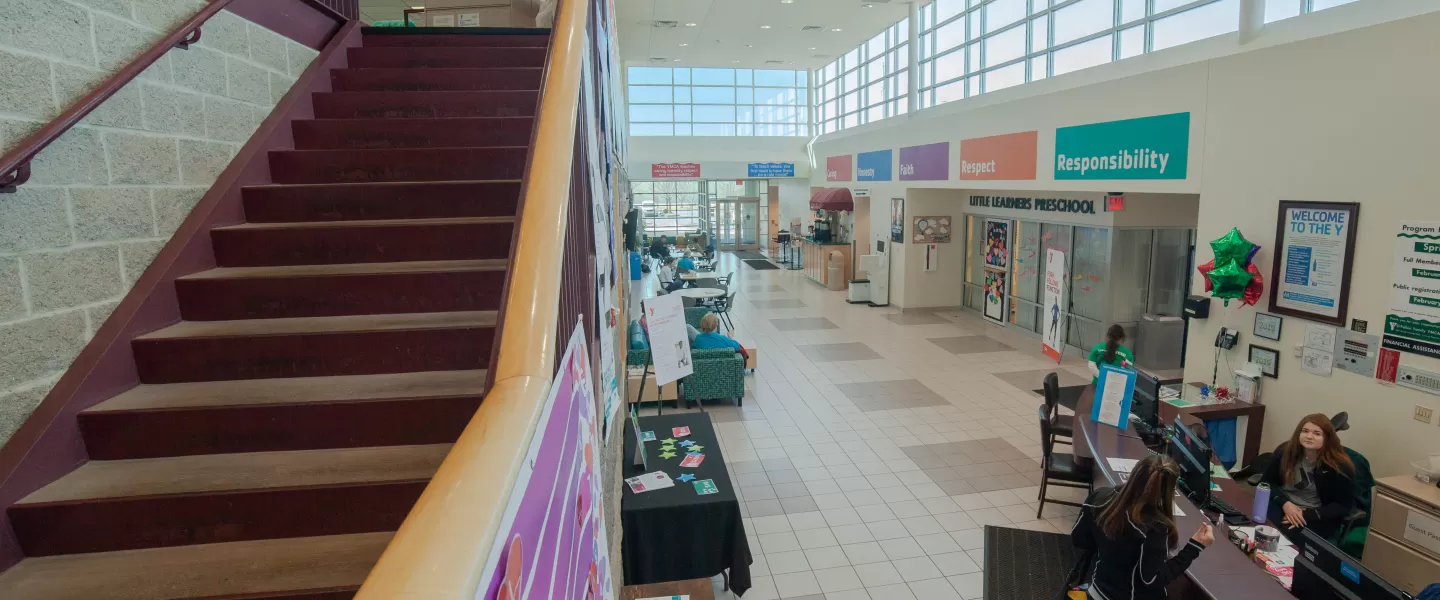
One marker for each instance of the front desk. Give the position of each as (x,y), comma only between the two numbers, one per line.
(816,260)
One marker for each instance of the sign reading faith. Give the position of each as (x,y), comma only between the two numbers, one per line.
(930,162)
(1146,148)
(663,170)
(1415,293)
(771,169)
(874,166)
(1009,156)
(837,168)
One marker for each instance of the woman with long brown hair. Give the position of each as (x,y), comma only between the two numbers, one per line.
(1312,480)
(1131,533)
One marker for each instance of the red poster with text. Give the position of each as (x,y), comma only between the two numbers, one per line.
(659,170)
(1389,365)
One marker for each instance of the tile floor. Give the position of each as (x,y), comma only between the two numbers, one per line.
(874,446)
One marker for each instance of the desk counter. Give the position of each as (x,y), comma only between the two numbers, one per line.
(1222,571)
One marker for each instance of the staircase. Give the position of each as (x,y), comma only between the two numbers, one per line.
(285,427)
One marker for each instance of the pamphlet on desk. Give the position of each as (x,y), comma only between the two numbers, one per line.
(1114,391)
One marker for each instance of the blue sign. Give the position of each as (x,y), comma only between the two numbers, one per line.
(874,166)
(776,169)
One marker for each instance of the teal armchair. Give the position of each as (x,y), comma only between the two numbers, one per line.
(719,374)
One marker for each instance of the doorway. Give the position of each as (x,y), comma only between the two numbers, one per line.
(737,223)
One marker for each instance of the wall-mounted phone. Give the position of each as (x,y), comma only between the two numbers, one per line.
(1227,338)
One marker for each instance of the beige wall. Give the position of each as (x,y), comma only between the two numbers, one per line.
(107,195)
(943,286)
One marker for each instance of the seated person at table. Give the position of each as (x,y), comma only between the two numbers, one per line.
(710,337)
(1312,481)
(686,265)
(669,279)
(658,248)
(1110,352)
(1130,534)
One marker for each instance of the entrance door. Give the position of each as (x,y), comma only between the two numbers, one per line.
(737,223)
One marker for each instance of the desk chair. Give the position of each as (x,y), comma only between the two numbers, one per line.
(1057,468)
(722,310)
(1063,426)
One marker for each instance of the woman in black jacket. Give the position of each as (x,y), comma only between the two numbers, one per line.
(1131,533)
(1312,481)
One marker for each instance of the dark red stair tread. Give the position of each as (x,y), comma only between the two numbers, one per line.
(230,293)
(424,105)
(340,242)
(374,40)
(322,134)
(431,56)
(439,79)
(310,568)
(283,203)
(351,388)
(321,325)
(412,164)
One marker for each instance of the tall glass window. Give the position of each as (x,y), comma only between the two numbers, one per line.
(969,47)
(697,101)
(1284,9)
(869,83)
(671,207)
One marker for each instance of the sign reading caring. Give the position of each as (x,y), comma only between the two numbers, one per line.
(1009,156)
(874,166)
(1055,205)
(837,168)
(770,169)
(930,162)
(1145,148)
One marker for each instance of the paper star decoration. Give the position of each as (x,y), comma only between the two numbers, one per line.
(667,455)
(685,478)
(668,441)
(695,448)
(687,443)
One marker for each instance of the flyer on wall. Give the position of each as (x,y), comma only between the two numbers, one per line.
(997,243)
(995,296)
(1053,311)
(897,220)
(1415,293)
(669,340)
(1312,268)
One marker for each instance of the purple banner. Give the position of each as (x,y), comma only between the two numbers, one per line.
(552,541)
(930,162)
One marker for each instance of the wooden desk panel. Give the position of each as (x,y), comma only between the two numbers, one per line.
(698,589)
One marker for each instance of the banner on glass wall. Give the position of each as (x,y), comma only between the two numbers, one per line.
(1053,311)
(995,296)
(874,166)
(838,168)
(997,244)
(897,220)
(1145,148)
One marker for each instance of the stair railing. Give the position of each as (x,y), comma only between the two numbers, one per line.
(15,164)
(440,551)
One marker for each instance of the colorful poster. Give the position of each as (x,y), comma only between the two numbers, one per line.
(995,296)
(997,244)
(669,340)
(673,170)
(1053,310)
(1009,156)
(897,220)
(1145,148)
(874,166)
(551,543)
(1415,293)
(1312,266)
(931,230)
(770,169)
(930,162)
(837,168)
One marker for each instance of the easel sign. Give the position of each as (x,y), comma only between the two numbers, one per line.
(1113,392)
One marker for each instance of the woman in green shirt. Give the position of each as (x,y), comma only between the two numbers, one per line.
(1111,352)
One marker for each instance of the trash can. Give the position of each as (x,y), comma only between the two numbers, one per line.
(859,291)
(836,268)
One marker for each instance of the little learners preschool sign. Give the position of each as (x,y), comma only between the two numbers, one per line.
(1053,205)
(663,170)
(1145,148)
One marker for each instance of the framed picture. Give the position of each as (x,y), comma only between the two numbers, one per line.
(897,220)
(1268,359)
(997,244)
(1314,252)
(932,230)
(1268,326)
(995,296)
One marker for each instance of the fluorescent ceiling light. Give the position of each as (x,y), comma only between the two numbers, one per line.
(683,45)
(689,24)
(764,26)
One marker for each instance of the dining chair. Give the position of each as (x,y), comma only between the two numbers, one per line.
(1063,426)
(1057,468)
(722,310)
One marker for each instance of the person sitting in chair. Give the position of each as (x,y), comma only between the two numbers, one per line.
(669,279)
(1312,481)
(710,337)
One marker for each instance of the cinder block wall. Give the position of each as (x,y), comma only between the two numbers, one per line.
(106,196)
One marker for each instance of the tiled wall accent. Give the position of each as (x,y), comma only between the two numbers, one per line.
(108,194)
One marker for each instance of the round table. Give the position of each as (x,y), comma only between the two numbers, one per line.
(700,293)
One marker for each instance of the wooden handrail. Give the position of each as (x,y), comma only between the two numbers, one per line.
(441,550)
(15,164)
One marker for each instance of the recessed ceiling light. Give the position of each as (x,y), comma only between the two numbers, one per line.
(867,6)
(683,45)
(837,29)
(787,1)
(674,60)
(749,46)
(812,48)
(764,26)
(689,24)
(734,61)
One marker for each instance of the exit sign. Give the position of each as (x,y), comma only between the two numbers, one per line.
(1114,202)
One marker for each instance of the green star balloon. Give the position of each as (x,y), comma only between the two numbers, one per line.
(1229,280)
(667,455)
(1232,247)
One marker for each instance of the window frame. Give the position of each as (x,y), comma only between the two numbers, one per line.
(795,109)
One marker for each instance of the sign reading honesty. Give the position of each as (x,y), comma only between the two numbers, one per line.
(1009,156)
(1145,148)
(930,162)
(837,168)
(874,166)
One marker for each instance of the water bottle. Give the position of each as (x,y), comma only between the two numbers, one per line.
(1262,503)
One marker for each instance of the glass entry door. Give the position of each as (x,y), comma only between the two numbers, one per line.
(737,223)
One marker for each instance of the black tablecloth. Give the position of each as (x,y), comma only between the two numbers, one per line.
(674,534)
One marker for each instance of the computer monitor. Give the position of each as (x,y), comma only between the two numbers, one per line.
(1193,456)
(1323,572)
(1145,403)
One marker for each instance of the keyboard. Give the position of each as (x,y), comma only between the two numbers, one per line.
(1224,507)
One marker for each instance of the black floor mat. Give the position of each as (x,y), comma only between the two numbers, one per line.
(1069,396)
(761,265)
(748,255)
(1026,565)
